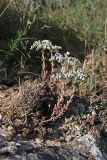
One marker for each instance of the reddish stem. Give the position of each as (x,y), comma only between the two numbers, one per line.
(44,71)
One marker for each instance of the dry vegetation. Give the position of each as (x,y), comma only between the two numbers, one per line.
(31,99)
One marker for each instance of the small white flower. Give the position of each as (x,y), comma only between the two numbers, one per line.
(66,75)
(58,76)
(67,53)
(45,44)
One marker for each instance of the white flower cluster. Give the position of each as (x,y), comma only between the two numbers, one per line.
(71,74)
(70,67)
(65,59)
(45,44)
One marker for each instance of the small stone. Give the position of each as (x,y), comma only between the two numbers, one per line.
(18,144)
(77,127)
(62,138)
(38,140)
(53,143)
(68,138)
(93,113)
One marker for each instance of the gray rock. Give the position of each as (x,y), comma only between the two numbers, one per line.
(97,147)
(84,147)
(27,151)
(8,148)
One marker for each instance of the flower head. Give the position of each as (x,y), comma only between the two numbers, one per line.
(43,45)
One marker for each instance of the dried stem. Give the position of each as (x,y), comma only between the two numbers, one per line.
(44,71)
(53,71)
(60,107)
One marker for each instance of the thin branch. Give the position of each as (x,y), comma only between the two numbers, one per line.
(6,8)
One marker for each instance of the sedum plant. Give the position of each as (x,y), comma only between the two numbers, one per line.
(63,68)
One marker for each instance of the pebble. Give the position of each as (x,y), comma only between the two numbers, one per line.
(53,143)
(62,138)
(39,140)
(68,138)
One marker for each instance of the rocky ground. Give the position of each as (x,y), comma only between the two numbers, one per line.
(80,134)
(66,147)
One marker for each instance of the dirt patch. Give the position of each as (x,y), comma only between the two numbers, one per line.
(23,107)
